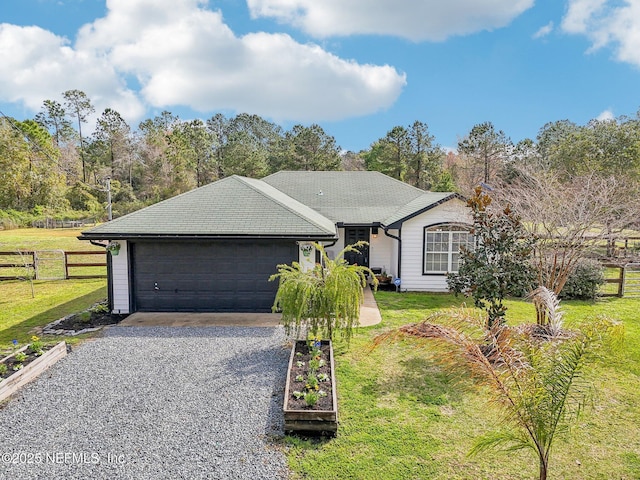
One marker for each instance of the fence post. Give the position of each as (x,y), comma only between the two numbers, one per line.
(623,269)
(66,266)
(34,260)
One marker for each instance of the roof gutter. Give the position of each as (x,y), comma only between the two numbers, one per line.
(331,244)
(124,236)
(345,224)
(398,223)
(97,243)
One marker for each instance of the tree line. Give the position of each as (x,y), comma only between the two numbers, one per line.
(51,164)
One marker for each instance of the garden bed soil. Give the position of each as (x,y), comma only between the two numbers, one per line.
(324,403)
(321,418)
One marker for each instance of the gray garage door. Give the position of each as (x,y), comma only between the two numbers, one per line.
(213,276)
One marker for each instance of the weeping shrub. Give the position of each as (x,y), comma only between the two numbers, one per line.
(326,298)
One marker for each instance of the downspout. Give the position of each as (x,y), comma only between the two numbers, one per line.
(386,232)
(331,244)
(325,246)
(109,274)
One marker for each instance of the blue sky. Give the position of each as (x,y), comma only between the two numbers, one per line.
(357,68)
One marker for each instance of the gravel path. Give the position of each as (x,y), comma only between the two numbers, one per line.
(153,403)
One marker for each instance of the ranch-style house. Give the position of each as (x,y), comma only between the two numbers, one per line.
(214,248)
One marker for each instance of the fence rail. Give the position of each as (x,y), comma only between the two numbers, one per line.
(28,264)
(69,265)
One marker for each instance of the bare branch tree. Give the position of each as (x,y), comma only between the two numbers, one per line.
(569,218)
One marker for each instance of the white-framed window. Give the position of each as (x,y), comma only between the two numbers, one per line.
(442,247)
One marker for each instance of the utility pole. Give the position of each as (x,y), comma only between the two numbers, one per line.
(109,214)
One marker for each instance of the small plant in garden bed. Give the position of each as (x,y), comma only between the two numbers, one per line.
(22,358)
(36,346)
(18,359)
(311,398)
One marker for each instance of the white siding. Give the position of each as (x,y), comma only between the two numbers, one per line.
(120,273)
(333,251)
(453,211)
(381,253)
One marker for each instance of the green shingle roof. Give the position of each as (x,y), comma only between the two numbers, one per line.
(347,197)
(418,205)
(234,206)
(301,205)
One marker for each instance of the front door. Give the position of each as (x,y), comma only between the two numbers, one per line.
(353,235)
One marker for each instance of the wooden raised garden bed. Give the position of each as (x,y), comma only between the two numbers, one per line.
(322,417)
(31,370)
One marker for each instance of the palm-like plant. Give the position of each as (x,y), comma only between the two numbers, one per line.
(537,381)
(326,298)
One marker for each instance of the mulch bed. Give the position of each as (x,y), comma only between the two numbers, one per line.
(87,321)
(76,322)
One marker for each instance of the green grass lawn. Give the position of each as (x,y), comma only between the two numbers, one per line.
(43,239)
(19,312)
(403,416)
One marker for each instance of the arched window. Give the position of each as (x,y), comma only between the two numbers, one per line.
(442,247)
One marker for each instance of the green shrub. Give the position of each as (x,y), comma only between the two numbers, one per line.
(11,219)
(584,282)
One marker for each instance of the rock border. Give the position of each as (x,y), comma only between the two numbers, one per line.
(51,330)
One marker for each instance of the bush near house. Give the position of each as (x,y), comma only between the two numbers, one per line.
(584,282)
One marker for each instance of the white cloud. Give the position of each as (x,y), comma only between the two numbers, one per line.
(607,23)
(544,31)
(39,65)
(606,115)
(579,14)
(433,20)
(183,54)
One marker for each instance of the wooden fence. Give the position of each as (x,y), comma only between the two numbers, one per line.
(18,260)
(30,264)
(626,280)
(616,280)
(53,223)
(68,264)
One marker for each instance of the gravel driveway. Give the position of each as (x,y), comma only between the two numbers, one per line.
(153,403)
